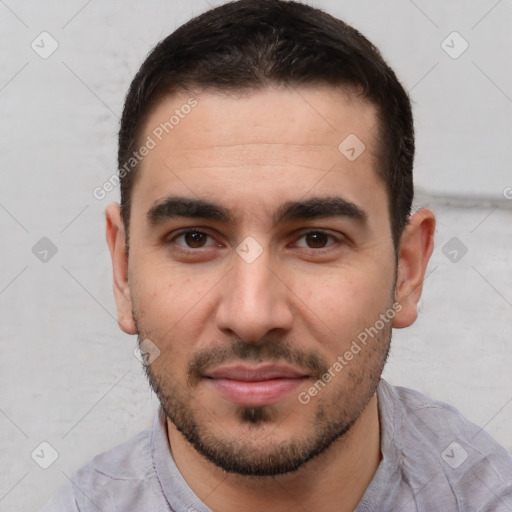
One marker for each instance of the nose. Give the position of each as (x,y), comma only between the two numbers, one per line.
(255,300)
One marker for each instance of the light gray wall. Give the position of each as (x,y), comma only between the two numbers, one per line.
(68,375)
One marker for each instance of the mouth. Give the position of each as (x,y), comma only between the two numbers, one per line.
(254,386)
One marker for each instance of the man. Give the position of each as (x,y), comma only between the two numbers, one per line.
(263,250)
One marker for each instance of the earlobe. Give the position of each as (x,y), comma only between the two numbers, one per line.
(416,246)
(116,240)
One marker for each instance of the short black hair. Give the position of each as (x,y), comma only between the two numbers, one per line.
(252,44)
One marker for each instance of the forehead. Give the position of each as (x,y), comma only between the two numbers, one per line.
(272,139)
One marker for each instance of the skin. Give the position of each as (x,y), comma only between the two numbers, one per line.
(310,295)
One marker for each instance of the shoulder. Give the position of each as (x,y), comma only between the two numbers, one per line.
(434,438)
(126,470)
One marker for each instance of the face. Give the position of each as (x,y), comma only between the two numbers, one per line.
(261,266)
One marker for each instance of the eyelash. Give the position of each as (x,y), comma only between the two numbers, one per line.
(337,240)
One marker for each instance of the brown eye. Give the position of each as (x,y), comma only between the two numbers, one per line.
(195,239)
(316,240)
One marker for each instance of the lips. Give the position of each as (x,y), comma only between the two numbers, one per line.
(254,386)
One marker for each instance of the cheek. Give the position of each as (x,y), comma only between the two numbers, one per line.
(173,305)
(164,314)
(348,300)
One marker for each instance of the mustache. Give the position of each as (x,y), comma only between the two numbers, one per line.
(267,350)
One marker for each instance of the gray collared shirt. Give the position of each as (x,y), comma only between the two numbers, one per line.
(433,460)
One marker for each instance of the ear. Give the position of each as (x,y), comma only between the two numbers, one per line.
(416,246)
(116,240)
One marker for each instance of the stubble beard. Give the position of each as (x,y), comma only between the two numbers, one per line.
(255,455)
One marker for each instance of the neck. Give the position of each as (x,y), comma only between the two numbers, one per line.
(335,480)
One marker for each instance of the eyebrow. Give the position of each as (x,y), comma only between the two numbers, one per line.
(311,208)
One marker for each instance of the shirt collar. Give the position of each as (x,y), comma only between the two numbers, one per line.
(178,494)
(181,498)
